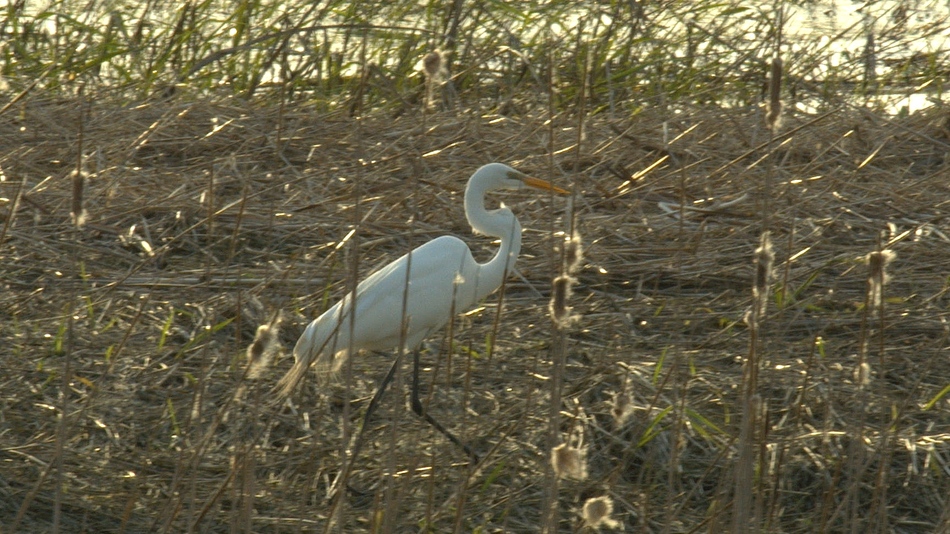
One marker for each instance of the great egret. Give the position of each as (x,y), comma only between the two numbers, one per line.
(443,279)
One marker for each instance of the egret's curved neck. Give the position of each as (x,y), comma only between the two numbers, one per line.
(500,223)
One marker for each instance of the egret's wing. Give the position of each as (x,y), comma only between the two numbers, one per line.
(437,267)
(379,298)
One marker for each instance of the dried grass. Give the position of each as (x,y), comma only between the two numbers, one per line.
(165,301)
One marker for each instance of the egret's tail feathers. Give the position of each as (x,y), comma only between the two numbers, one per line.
(304,355)
(326,367)
(318,346)
(289,382)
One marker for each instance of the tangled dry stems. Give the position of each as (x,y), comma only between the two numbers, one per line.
(153,302)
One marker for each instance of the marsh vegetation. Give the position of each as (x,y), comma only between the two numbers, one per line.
(750,324)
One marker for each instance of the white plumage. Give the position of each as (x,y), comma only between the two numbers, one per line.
(444,280)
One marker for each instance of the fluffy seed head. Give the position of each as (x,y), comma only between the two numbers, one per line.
(596,513)
(877,274)
(433,65)
(560,311)
(569,462)
(435,72)
(764,260)
(620,409)
(78,213)
(862,374)
(262,350)
(573,253)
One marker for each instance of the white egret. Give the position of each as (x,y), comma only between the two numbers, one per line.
(443,279)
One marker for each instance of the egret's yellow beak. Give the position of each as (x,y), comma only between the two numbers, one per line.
(539,183)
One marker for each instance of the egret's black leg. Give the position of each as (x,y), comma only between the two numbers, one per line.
(373,404)
(417,408)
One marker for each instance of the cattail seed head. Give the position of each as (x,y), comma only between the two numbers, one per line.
(773,109)
(433,65)
(569,462)
(596,513)
(78,213)
(573,253)
(862,374)
(877,274)
(560,311)
(764,260)
(435,72)
(621,408)
(261,351)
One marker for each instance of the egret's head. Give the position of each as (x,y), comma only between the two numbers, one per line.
(499,175)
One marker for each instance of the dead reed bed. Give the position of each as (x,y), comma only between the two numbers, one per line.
(125,406)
